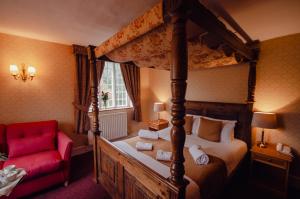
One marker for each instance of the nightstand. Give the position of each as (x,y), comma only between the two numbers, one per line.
(270,169)
(156,125)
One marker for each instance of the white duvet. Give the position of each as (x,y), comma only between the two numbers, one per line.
(231,153)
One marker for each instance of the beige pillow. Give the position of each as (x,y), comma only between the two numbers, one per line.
(210,129)
(188,126)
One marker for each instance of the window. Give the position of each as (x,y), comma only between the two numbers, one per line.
(112,82)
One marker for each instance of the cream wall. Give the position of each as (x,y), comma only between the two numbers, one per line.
(50,94)
(277,89)
(226,84)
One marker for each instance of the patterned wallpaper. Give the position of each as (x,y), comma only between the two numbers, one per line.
(50,94)
(278,88)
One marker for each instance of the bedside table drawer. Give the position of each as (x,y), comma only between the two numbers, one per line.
(153,126)
(158,125)
(269,160)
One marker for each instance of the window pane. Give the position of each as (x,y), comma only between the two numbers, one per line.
(120,90)
(112,82)
(106,84)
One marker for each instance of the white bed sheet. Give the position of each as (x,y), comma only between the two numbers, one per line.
(192,190)
(231,153)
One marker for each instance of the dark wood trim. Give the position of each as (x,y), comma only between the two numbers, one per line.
(104,58)
(228,111)
(251,82)
(95,108)
(81,50)
(179,71)
(216,6)
(206,20)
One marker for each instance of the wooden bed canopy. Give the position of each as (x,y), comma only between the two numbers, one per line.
(179,14)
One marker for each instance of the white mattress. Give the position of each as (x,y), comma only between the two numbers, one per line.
(231,153)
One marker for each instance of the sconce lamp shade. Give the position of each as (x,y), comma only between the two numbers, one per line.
(31,71)
(158,107)
(14,70)
(264,120)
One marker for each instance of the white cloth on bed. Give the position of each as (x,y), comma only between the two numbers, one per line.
(148,134)
(143,146)
(192,190)
(231,153)
(199,156)
(163,155)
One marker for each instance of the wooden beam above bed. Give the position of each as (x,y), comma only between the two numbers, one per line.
(206,20)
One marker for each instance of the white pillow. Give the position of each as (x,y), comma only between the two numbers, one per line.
(196,123)
(227,133)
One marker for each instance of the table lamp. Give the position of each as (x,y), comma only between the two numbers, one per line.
(265,121)
(158,107)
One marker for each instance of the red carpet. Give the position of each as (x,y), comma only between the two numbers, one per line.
(81,186)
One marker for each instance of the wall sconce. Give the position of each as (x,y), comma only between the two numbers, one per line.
(23,74)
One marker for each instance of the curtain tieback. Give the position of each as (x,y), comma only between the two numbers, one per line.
(81,107)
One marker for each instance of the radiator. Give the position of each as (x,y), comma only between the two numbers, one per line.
(113,124)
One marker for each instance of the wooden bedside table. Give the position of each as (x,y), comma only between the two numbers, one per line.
(273,161)
(156,125)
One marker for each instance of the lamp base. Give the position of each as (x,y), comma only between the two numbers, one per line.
(262,145)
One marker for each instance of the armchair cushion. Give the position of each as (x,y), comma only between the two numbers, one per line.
(29,138)
(38,163)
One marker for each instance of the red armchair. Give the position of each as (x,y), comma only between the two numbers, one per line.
(39,148)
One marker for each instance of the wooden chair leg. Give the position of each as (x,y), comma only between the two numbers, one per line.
(66,183)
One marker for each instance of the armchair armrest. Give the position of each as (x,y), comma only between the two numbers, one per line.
(64,146)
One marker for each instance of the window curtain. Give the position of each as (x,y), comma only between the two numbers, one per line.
(131,76)
(82,99)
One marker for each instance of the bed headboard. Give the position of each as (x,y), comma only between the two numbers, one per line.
(229,111)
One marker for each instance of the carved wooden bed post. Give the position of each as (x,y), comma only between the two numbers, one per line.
(95,109)
(251,82)
(178,87)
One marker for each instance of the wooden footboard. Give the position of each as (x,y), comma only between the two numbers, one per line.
(125,177)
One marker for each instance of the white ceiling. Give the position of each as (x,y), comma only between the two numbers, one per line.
(92,21)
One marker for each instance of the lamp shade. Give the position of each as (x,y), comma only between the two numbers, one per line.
(14,70)
(31,71)
(158,107)
(264,120)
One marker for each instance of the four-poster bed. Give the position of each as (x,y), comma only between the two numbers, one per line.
(119,172)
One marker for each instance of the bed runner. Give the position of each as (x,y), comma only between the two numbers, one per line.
(210,178)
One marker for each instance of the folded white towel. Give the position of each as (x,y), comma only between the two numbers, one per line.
(163,155)
(148,134)
(199,156)
(142,146)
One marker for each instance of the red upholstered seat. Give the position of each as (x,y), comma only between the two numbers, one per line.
(37,164)
(2,138)
(41,149)
(28,138)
